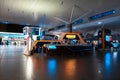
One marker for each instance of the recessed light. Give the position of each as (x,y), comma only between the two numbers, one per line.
(99,22)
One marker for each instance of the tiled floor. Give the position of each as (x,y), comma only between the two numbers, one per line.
(99,65)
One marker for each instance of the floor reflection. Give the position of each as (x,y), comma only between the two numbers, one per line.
(107,60)
(115,56)
(70,67)
(110,64)
(29,68)
(107,64)
(51,65)
(99,65)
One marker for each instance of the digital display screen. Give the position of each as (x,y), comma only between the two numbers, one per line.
(32,31)
(70,36)
(51,47)
(35,31)
(108,38)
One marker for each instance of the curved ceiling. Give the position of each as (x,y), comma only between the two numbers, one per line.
(44,12)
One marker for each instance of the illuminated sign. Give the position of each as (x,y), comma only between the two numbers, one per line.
(107,13)
(70,36)
(108,38)
(51,47)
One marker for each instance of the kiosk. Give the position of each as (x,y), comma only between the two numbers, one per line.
(66,42)
(71,43)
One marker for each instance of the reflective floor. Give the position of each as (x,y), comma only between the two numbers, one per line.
(99,65)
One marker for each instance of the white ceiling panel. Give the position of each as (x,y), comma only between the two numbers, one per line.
(43,12)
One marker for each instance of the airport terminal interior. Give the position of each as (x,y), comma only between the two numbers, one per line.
(59,39)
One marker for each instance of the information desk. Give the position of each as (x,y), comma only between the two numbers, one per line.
(67,49)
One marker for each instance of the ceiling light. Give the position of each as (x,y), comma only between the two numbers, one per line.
(99,23)
(74,28)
